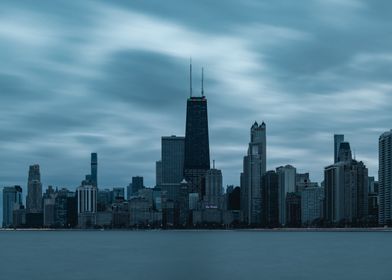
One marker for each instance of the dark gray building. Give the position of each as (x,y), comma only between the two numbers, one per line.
(338,138)
(94,169)
(270,189)
(385,178)
(197,149)
(346,189)
(12,200)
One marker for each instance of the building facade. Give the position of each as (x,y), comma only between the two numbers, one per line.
(287,184)
(254,167)
(197,149)
(214,188)
(385,178)
(12,200)
(34,190)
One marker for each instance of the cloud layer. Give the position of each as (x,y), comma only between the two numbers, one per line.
(80,77)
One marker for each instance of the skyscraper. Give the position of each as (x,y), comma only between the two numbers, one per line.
(12,200)
(270,196)
(137,184)
(214,187)
(94,169)
(172,159)
(287,184)
(254,166)
(34,190)
(197,149)
(338,138)
(158,173)
(346,189)
(312,200)
(385,178)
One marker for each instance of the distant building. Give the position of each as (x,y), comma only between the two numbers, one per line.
(34,190)
(312,204)
(172,156)
(158,173)
(12,200)
(214,189)
(254,166)
(137,184)
(270,189)
(346,189)
(87,206)
(94,169)
(104,200)
(117,194)
(385,178)
(234,199)
(287,184)
(293,209)
(338,138)
(197,149)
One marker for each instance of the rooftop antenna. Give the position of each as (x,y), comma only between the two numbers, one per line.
(202,81)
(354,155)
(213,163)
(190,77)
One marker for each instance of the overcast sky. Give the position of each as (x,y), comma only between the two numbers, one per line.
(112,77)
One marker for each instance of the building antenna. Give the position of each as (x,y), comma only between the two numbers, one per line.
(202,81)
(354,155)
(190,77)
(213,163)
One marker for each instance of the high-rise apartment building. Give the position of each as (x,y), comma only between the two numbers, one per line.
(270,189)
(346,189)
(94,169)
(338,138)
(287,184)
(34,190)
(12,200)
(385,178)
(254,166)
(214,189)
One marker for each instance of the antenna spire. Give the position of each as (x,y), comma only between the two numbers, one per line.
(202,81)
(190,77)
(213,164)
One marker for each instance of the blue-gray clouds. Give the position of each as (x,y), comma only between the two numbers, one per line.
(112,77)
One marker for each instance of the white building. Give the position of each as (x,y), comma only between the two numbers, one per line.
(87,205)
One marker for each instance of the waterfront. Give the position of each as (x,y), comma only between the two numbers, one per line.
(195,255)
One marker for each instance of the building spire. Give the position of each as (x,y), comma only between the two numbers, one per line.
(202,81)
(213,164)
(190,77)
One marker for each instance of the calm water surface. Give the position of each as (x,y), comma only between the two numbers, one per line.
(195,255)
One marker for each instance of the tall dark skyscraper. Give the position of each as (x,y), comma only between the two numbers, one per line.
(94,169)
(197,148)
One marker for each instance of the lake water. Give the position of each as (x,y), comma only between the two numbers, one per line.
(31,255)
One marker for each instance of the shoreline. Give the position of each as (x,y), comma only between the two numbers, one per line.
(376,229)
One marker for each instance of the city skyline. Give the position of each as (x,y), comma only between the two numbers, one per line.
(102,105)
